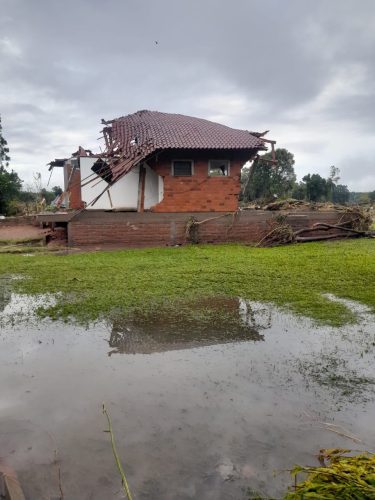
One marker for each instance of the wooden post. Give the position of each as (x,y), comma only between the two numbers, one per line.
(273,155)
(141,188)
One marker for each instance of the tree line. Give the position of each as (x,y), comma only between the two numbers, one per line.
(14,199)
(266,181)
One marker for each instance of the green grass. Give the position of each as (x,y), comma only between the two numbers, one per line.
(295,276)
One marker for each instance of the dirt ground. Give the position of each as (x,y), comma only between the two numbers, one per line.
(20,232)
(56,238)
(29,232)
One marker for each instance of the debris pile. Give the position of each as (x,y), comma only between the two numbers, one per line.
(292,204)
(357,218)
(289,204)
(280,233)
(354,222)
(191,230)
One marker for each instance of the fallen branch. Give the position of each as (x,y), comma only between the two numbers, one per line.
(343,433)
(305,239)
(356,225)
(324,225)
(281,233)
(337,429)
(117,458)
(191,228)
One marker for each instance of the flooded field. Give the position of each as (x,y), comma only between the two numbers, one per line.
(212,401)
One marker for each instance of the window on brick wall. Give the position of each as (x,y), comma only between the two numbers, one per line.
(218,168)
(183,168)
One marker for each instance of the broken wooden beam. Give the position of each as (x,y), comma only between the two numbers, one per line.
(10,488)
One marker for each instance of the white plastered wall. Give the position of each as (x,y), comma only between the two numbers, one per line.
(124,193)
(154,188)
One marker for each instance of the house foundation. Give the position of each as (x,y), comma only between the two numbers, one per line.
(134,229)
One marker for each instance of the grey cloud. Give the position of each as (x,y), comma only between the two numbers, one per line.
(359,110)
(358,171)
(75,62)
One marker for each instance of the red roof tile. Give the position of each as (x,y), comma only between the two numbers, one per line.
(173,131)
(132,139)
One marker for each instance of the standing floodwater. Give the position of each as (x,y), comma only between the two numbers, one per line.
(207,401)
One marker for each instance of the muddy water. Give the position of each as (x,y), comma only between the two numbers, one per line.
(200,409)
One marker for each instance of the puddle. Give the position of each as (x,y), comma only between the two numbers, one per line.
(207,401)
(184,326)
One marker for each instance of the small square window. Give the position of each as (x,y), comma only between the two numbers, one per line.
(183,168)
(218,168)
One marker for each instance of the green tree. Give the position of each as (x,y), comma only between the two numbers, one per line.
(371,196)
(244,180)
(340,193)
(4,150)
(49,196)
(267,180)
(10,183)
(57,190)
(299,191)
(316,187)
(10,186)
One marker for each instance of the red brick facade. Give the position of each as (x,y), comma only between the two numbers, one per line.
(200,192)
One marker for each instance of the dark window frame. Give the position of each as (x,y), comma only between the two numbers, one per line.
(182,161)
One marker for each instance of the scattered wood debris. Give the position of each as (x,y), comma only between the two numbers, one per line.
(292,204)
(280,233)
(354,222)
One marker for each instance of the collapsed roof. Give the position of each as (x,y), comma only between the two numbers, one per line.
(131,139)
(57,162)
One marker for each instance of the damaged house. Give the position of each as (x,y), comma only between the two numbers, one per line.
(155,163)
(163,163)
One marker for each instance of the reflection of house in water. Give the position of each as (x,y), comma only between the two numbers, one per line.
(209,322)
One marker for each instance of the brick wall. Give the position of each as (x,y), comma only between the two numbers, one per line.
(75,200)
(131,229)
(200,192)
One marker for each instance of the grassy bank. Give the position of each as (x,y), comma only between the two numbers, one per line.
(294,276)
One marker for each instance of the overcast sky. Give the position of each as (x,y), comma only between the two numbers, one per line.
(303,69)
